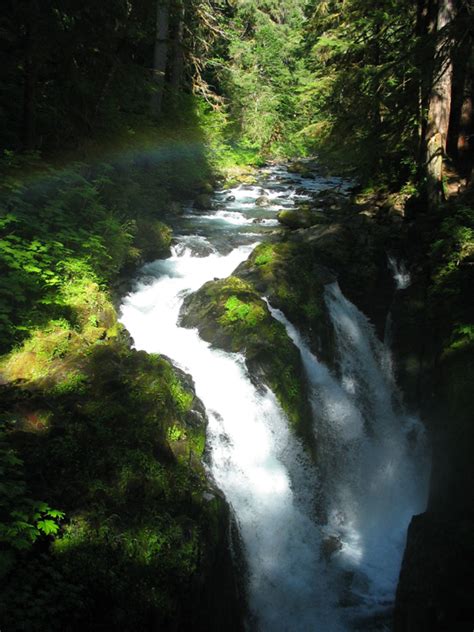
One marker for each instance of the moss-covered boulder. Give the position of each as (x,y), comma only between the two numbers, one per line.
(230,314)
(301,168)
(356,251)
(301,217)
(293,281)
(203,202)
(152,240)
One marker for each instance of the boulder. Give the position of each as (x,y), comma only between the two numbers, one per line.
(203,202)
(153,240)
(301,218)
(230,314)
(263,201)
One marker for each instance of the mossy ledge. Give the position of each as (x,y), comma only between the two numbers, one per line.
(230,314)
(293,281)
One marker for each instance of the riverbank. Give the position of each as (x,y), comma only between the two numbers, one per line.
(109,518)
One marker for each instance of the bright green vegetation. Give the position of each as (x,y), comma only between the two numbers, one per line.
(266,254)
(65,230)
(292,278)
(230,314)
(266,75)
(246,314)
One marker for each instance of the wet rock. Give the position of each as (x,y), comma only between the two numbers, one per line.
(263,201)
(301,168)
(291,278)
(330,545)
(332,200)
(230,314)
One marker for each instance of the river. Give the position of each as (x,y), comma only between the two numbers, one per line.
(305,573)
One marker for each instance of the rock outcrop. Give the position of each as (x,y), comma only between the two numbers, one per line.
(230,314)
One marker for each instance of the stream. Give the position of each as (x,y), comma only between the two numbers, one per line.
(323,544)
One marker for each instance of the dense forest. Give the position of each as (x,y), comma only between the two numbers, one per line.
(115,118)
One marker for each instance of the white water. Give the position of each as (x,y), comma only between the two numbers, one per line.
(367,483)
(260,466)
(371,454)
(400,273)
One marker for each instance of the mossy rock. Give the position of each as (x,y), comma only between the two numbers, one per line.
(293,281)
(230,314)
(356,252)
(153,240)
(301,218)
(204,202)
(300,168)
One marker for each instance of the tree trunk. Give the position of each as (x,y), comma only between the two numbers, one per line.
(439,105)
(160,58)
(461,141)
(30,81)
(424,30)
(177,66)
(465,144)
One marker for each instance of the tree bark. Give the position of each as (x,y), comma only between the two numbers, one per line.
(30,80)
(439,106)
(461,128)
(465,141)
(160,58)
(424,30)
(177,65)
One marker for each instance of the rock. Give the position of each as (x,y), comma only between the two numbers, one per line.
(208,188)
(333,200)
(435,587)
(153,240)
(300,168)
(230,314)
(301,218)
(263,200)
(330,545)
(230,198)
(175,208)
(203,202)
(291,278)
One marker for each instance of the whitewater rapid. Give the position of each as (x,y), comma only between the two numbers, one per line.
(306,572)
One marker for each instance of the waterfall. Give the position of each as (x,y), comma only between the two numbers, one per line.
(322,542)
(402,279)
(400,273)
(255,459)
(371,458)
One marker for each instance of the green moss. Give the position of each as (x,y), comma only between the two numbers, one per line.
(248,314)
(183,399)
(265,254)
(131,527)
(175,433)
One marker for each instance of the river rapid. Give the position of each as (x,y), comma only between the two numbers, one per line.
(322,543)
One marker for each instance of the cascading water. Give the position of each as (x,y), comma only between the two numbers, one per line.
(402,279)
(400,273)
(372,458)
(305,573)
